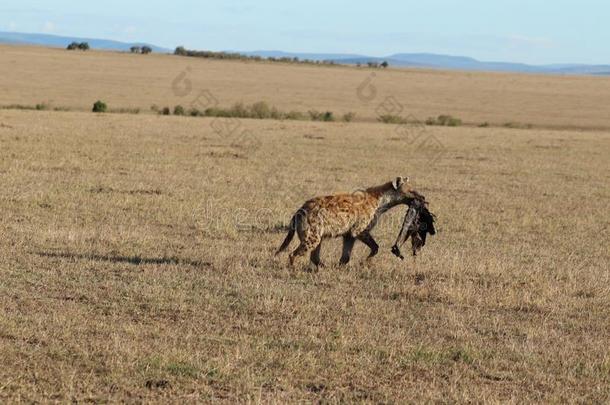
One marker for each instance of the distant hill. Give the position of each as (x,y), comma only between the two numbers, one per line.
(429,60)
(19,38)
(420,60)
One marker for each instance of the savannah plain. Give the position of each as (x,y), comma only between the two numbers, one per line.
(137,250)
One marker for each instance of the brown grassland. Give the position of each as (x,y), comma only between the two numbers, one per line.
(136,251)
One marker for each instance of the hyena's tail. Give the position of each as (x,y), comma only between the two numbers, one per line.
(291,230)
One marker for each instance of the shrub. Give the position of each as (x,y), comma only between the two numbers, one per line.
(294,115)
(444,120)
(99,107)
(238,110)
(182,51)
(260,110)
(448,120)
(179,110)
(125,110)
(321,116)
(385,64)
(17,107)
(165,111)
(277,114)
(390,119)
(349,117)
(194,112)
(214,112)
(135,49)
(328,116)
(42,106)
(315,115)
(484,124)
(83,46)
(146,49)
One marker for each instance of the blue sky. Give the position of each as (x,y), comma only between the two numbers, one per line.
(533,31)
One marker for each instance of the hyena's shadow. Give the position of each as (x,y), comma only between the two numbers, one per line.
(135,259)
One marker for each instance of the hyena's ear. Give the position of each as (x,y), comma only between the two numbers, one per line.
(398,183)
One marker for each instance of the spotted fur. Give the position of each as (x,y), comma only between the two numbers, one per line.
(351,216)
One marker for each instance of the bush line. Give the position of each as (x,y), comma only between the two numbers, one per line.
(262,110)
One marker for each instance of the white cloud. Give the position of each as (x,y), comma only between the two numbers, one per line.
(49,27)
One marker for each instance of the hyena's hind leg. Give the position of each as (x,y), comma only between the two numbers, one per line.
(301,250)
(310,243)
(314,257)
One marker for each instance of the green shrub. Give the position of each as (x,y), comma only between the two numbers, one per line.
(219,112)
(179,110)
(449,121)
(484,124)
(180,50)
(83,46)
(166,111)
(328,116)
(314,115)
(260,110)
(18,107)
(99,107)
(277,114)
(294,115)
(42,106)
(194,112)
(390,119)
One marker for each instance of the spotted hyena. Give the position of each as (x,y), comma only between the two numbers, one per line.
(351,216)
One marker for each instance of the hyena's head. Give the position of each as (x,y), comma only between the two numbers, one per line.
(401,190)
(395,192)
(398,191)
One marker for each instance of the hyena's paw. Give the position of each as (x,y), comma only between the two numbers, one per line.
(312,268)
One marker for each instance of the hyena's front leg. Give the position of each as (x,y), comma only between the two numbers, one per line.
(368,240)
(348,245)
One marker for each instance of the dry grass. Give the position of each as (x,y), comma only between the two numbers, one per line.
(30,75)
(137,263)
